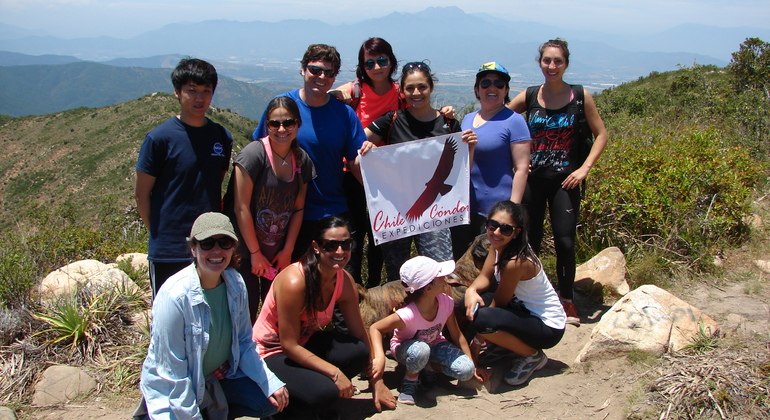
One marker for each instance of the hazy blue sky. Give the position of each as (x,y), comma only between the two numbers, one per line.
(125,18)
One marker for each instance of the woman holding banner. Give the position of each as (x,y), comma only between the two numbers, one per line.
(503,150)
(420,120)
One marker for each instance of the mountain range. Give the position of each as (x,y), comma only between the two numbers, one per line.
(267,55)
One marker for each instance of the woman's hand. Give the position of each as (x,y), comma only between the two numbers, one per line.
(469,136)
(282,259)
(280,398)
(447,111)
(575,178)
(366,147)
(341,95)
(259,264)
(344,386)
(472,298)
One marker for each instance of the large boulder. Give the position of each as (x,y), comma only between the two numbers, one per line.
(138,261)
(67,279)
(648,319)
(61,384)
(606,270)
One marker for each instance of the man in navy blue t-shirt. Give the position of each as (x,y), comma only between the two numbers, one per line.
(179,173)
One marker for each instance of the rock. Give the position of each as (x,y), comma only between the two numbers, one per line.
(138,261)
(60,384)
(7,414)
(66,279)
(607,270)
(763,265)
(648,319)
(753,220)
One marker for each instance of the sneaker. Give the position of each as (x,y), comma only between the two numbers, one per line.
(408,391)
(524,367)
(492,353)
(572,315)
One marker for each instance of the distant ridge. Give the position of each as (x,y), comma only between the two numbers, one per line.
(43,89)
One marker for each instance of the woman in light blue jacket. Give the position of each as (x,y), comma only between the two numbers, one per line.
(202,362)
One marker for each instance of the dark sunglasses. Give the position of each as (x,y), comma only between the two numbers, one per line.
(506,230)
(288,124)
(316,71)
(485,83)
(382,62)
(331,245)
(224,243)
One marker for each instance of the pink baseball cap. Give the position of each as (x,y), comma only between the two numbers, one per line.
(419,271)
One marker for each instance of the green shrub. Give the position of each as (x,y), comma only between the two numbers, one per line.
(683,192)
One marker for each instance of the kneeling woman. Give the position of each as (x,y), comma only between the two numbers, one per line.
(202,362)
(316,365)
(518,308)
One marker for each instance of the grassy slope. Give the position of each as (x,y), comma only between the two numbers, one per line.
(79,163)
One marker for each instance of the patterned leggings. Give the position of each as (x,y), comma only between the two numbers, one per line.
(454,363)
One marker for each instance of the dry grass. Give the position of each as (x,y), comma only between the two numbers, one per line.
(724,383)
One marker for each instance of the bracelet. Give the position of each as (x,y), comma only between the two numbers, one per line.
(336,376)
(255,252)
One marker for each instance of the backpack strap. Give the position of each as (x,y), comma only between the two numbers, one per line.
(355,94)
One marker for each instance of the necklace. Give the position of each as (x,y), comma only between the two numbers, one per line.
(283,158)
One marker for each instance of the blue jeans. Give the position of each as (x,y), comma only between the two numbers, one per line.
(454,363)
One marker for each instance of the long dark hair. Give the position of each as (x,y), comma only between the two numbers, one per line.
(375,46)
(290,105)
(309,261)
(518,247)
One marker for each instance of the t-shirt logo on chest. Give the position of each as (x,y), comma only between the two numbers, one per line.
(218,150)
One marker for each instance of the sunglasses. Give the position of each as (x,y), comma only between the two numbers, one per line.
(417,64)
(288,124)
(382,62)
(224,243)
(506,230)
(331,245)
(316,71)
(485,83)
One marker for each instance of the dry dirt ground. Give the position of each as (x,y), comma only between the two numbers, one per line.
(561,390)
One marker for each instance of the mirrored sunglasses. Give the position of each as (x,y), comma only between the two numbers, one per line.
(382,62)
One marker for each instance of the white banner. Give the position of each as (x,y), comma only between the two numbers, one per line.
(417,186)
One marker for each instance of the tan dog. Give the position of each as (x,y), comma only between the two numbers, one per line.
(378,302)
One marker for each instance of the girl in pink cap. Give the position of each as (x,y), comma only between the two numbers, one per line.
(417,329)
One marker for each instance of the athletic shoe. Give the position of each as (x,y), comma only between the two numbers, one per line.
(524,367)
(408,391)
(492,353)
(572,315)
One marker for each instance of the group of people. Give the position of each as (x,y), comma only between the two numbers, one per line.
(244,286)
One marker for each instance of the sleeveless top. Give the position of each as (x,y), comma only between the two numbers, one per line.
(266,332)
(554,138)
(539,297)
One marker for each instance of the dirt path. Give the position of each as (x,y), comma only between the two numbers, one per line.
(560,390)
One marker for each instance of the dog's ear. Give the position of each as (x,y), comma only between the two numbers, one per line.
(454,280)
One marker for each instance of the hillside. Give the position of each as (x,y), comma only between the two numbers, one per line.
(79,164)
(44,89)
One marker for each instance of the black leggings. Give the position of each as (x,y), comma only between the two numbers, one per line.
(517,321)
(309,389)
(564,206)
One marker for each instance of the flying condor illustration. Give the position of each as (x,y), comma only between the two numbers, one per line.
(435,185)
